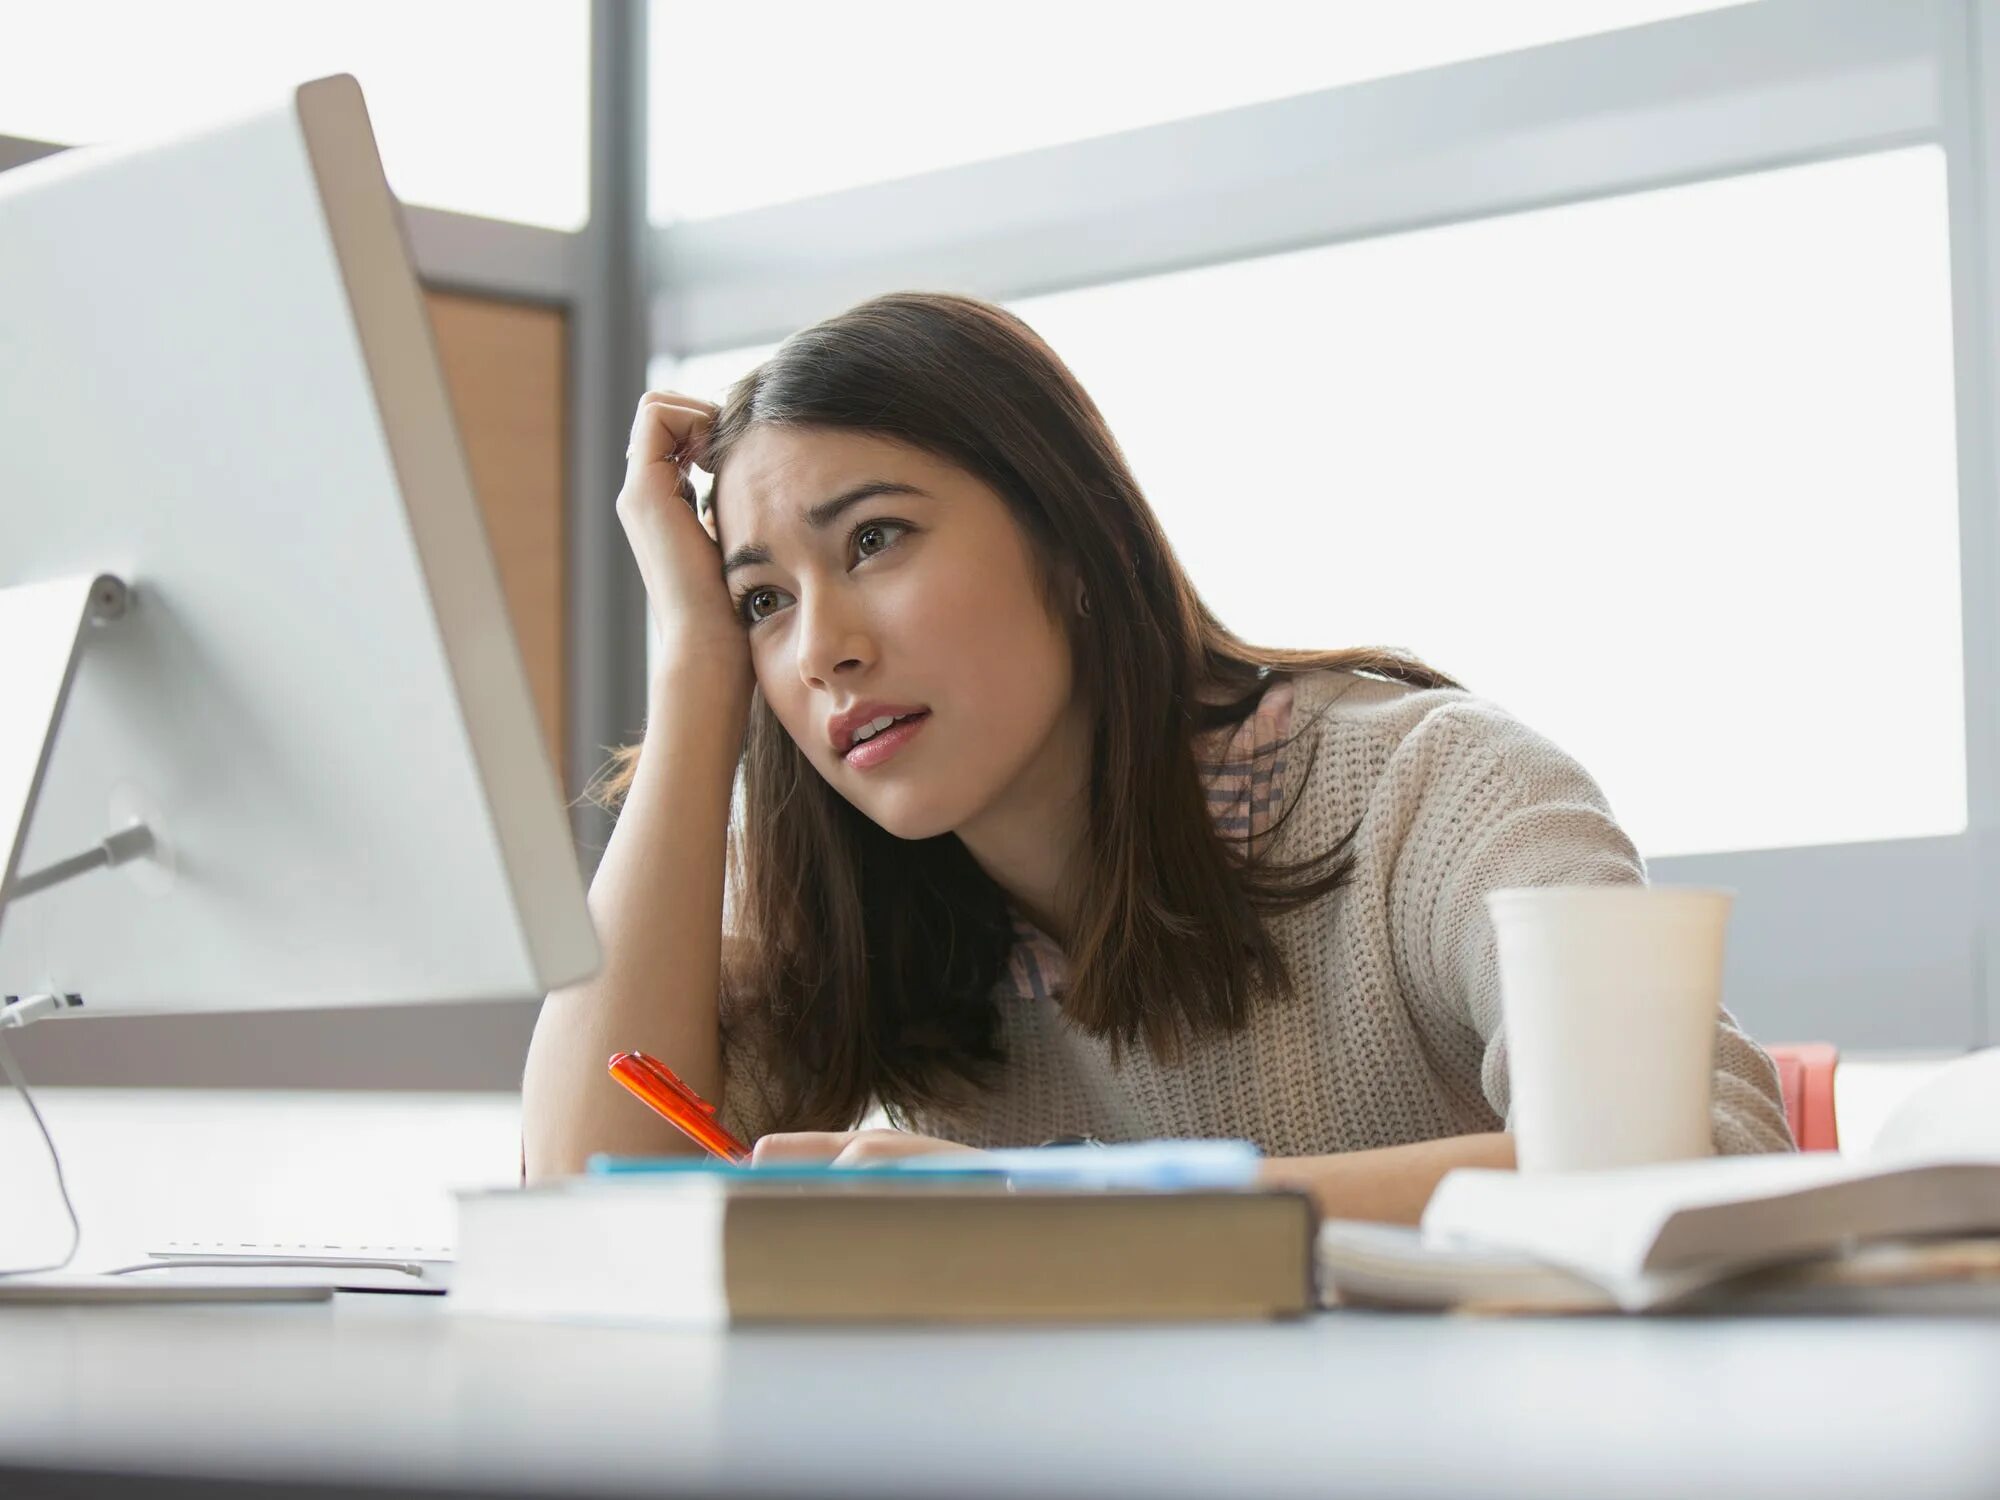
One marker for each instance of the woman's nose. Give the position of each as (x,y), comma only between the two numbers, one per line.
(832,640)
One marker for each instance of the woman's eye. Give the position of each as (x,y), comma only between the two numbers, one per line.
(746,602)
(746,605)
(876,526)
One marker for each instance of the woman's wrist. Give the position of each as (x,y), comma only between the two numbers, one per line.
(716,689)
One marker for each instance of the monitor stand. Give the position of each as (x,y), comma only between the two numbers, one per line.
(45,626)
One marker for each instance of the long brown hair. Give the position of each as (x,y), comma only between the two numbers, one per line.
(872,960)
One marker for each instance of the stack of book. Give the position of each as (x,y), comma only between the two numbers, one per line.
(1161,1231)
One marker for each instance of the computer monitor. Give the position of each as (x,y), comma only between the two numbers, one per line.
(266,739)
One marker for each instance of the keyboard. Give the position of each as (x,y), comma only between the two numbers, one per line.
(348,1268)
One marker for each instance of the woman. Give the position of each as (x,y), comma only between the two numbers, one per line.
(1031,846)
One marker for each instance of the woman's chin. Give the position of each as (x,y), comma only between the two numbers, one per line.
(905,815)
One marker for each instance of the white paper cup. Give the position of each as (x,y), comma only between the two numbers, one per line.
(1609,996)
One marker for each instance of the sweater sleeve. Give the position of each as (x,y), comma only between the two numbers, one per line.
(1500,806)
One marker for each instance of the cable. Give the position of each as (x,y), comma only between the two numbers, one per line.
(75,1229)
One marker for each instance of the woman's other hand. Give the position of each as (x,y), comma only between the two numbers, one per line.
(847,1148)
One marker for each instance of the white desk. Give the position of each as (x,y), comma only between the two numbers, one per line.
(391,1392)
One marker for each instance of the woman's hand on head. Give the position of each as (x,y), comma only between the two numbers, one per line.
(677,554)
(846,1148)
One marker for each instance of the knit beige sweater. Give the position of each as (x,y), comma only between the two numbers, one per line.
(1393,1033)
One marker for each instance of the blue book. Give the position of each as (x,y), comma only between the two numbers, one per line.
(1163,1165)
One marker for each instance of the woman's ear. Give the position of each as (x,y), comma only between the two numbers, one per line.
(1074,592)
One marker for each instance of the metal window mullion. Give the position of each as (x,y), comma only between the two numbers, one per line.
(606,609)
(1969,74)
(491,257)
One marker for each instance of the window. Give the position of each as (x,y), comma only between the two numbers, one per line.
(1670,476)
(478,107)
(767,102)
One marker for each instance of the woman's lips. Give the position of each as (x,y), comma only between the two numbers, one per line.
(873,751)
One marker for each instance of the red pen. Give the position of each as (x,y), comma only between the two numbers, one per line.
(689,1113)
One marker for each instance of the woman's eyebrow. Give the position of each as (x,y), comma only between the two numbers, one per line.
(821,516)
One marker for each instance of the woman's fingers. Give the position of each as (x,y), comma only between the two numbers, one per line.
(847,1148)
(669,427)
(799,1145)
(868,1146)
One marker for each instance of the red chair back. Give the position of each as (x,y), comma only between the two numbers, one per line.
(1805,1073)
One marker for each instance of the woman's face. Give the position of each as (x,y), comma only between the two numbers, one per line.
(922,597)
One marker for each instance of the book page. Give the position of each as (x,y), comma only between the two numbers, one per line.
(1955,1114)
(1602,1224)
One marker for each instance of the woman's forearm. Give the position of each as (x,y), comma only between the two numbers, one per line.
(1392,1183)
(656,900)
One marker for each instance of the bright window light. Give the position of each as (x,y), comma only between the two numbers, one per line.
(478,107)
(1670,476)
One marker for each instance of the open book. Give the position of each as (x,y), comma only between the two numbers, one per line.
(1692,1233)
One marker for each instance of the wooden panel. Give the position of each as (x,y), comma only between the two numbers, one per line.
(505,364)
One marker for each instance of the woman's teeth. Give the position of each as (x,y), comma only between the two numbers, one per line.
(869,731)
